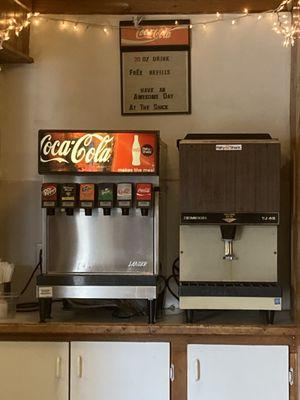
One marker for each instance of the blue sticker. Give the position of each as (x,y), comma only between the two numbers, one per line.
(277,300)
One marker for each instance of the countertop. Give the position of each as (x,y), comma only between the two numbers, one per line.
(95,323)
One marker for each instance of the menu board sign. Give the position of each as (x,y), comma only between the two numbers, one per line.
(155,67)
(98,152)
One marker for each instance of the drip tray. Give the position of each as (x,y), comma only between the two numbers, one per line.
(234,289)
(230,296)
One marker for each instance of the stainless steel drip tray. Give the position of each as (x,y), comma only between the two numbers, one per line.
(97,287)
(230,295)
(260,289)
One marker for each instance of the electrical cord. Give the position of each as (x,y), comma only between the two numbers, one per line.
(169,288)
(30,306)
(39,265)
(175,276)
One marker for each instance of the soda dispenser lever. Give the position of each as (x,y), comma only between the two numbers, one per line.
(144,194)
(68,197)
(49,197)
(106,197)
(87,197)
(124,197)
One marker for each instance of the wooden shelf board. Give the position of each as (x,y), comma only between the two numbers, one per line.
(151,6)
(11,56)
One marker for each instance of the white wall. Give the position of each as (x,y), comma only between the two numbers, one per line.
(240,83)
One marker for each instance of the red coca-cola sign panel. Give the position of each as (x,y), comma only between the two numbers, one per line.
(155,33)
(144,191)
(98,152)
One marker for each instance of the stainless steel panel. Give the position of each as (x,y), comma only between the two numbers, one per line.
(104,292)
(202,251)
(101,244)
(113,244)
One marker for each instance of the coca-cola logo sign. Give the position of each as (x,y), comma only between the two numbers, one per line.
(144,191)
(161,32)
(76,151)
(98,152)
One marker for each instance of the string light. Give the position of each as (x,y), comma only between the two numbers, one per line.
(15,25)
(290,31)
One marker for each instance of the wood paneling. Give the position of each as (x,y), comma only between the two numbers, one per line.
(16,50)
(74,330)
(150,6)
(244,181)
(15,5)
(295,156)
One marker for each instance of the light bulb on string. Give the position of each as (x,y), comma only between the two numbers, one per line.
(63,25)
(233,22)
(36,21)
(259,17)
(106,30)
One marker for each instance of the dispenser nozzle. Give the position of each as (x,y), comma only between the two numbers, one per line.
(228,235)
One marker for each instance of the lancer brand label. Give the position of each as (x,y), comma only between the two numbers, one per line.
(140,264)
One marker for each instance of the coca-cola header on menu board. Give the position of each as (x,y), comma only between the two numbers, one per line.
(98,152)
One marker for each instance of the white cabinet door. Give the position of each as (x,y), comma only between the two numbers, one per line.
(34,371)
(120,371)
(225,372)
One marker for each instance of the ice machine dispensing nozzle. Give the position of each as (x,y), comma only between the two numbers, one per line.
(228,235)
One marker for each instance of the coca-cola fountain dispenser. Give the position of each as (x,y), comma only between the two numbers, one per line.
(102,198)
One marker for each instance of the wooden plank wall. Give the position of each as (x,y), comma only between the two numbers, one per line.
(295,157)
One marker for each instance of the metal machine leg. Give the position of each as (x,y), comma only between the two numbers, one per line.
(152,311)
(189,315)
(45,307)
(270,315)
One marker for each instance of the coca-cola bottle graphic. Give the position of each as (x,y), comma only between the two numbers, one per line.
(136,151)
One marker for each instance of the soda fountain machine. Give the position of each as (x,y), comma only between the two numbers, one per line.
(229,204)
(102,198)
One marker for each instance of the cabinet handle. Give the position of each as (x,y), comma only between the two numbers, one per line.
(197,370)
(79,366)
(58,367)
(172,372)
